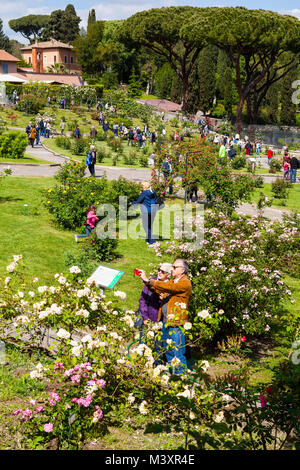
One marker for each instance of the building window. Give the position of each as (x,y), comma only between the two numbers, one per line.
(66,59)
(72,60)
(29,60)
(55,59)
(4,68)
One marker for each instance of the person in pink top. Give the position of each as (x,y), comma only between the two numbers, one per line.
(90,222)
(286,170)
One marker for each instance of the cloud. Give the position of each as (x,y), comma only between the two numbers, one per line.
(119,10)
(294,12)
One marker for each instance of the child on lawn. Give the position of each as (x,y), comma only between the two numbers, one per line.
(90,222)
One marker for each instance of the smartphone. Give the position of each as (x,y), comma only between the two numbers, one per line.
(137,272)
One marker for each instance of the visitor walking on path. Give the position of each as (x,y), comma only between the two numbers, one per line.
(32,135)
(270,155)
(90,222)
(294,163)
(91,160)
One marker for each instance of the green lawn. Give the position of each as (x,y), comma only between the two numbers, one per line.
(33,235)
(21,119)
(293,200)
(51,144)
(26,159)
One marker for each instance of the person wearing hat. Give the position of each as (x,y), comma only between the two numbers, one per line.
(150,301)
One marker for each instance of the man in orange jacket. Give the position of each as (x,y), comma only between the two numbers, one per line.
(175,295)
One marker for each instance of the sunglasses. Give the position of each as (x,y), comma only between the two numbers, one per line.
(179,266)
(161,271)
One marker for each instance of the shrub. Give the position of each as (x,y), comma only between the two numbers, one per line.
(81,147)
(13,144)
(63,142)
(68,202)
(30,104)
(116,144)
(258,181)
(143,160)
(101,153)
(233,279)
(238,162)
(130,158)
(70,170)
(280,188)
(275,166)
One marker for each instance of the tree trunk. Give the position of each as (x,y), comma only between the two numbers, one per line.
(185,93)
(239,113)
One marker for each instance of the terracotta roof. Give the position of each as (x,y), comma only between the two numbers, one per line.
(64,79)
(7,57)
(162,105)
(47,45)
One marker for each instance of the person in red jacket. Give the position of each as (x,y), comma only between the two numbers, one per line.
(270,155)
(90,222)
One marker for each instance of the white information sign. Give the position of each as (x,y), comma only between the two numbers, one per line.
(106,277)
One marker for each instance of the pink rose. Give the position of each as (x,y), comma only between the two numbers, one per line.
(48,427)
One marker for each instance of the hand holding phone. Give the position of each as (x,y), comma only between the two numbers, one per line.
(137,272)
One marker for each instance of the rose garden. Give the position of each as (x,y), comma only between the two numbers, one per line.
(74,372)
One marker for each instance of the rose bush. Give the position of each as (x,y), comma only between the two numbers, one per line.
(236,274)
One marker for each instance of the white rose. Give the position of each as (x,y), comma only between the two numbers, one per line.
(219,417)
(187,326)
(131,398)
(63,333)
(11,267)
(205,365)
(42,289)
(76,351)
(120,294)
(94,306)
(31,293)
(75,269)
(204,314)
(86,339)
(143,408)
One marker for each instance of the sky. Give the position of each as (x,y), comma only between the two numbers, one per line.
(122,9)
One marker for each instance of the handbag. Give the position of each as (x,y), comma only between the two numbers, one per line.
(159,201)
(139,320)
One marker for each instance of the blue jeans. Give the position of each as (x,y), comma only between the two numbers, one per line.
(89,230)
(92,169)
(176,349)
(293,173)
(147,220)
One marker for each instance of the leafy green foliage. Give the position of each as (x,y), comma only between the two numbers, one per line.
(31,104)
(30,26)
(13,144)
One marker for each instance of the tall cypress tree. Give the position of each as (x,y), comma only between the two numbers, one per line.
(206,66)
(91,18)
(272,103)
(134,85)
(4,40)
